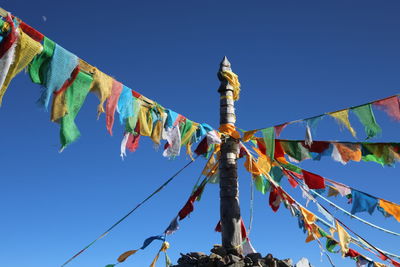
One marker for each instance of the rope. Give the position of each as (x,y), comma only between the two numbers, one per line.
(129,213)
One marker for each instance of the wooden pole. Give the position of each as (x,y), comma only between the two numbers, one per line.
(229,190)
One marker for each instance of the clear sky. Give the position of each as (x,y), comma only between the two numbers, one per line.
(295,59)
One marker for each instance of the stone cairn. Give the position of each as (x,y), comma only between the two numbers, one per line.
(219,258)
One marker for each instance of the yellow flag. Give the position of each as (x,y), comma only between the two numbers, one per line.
(391,208)
(26,50)
(313,233)
(344,239)
(332,192)
(125,255)
(59,108)
(343,118)
(157,131)
(349,152)
(309,217)
(264,164)
(251,166)
(163,248)
(230,130)
(101,86)
(187,138)
(248,135)
(146,121)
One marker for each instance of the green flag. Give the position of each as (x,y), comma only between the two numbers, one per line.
(367,118)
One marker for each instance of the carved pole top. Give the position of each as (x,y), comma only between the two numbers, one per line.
(225,65)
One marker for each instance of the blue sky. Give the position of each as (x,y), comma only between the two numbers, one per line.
(295,59)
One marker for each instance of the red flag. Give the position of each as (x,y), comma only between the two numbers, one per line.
(313,181)
(33,33)
(274,199)
(390,105)
(352,253)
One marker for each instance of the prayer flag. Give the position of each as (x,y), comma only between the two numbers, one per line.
(390,105)
(61,66)
(343,118)
(40,64)
(112,104)
(391,208)
(367,118)
(25,51)
(344,239)
(269,140)
(313,181)
(363,202)
(75,96)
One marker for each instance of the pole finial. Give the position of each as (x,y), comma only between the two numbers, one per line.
(225,64)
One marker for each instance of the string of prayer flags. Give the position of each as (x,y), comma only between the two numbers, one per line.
(308,224)
(124,256)
(361,201)
(391,105)
(62,74)
(315,232)
(382,153)
(172,228)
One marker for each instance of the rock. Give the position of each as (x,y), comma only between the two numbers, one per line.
(269,259)
(254,256)
(231,259)
(197,255)
(248,261)
(285,263)
(187,259)
(221,258)
(219,250)
(215,257)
